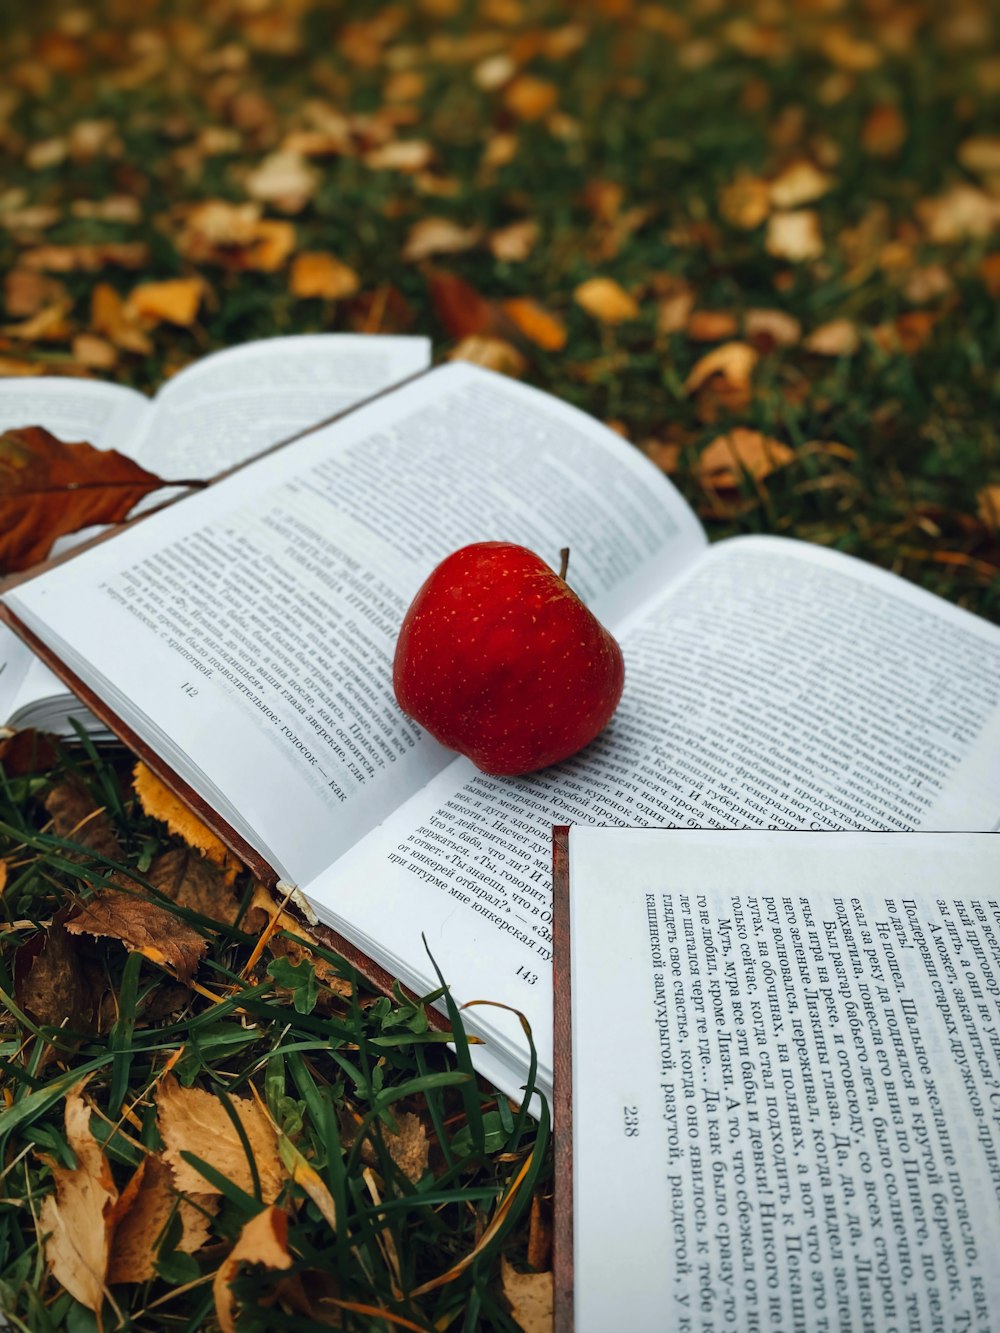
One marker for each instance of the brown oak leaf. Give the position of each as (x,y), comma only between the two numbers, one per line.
(143,927)
(49,488)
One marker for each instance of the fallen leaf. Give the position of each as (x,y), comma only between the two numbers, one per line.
(838,337)
(514,242)
(664,453)
(317,274)
(159,802)
(87,258)
(296,950)
(10,365)
(26,291)
(989,271)
(50,984)
(48,325)
(286,180)
(114,208)
(401,155)
(492,353)
(606,300)
(745,202)
(603,199)
(26,751)
(734,361)
(710,326)
(77,1218)
(981,154)
(884,131)
(120,325)
(724,462)
(234,236)
(799,183)
(906,334)
(768,329)
(192,1120)
(794,236)
(964,212)
(530,98)
(147,1205)
(530,1296)
(263,1240)
(49,488)
(926,283)
(672,311)
(536,323)
(988,506)
(191,880)
(143,927)
(93,352)
(439,236)
(273,242)
(842,48)
(539,1233)
(175,301)
(409,1148)
(78,818)
(500,150)
(493,72)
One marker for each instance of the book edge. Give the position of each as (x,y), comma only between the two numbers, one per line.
(562,1087)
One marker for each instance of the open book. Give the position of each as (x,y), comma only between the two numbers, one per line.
(211,416)
(243,641)
(785,1081)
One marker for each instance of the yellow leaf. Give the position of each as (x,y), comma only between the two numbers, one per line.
(846,51)
(606,300)
(795,236)
(439,236)
(988,506)
(981,154)
(799,183)
(962,213)
(159,802)
(401,155)
(144,1210)
(78,1216)
(316,274)
(286,180)
(734,361)
(745,202)
(514,242)
(723,463)
(838,337)
(493,353)
(530,98)
(530,1296)
(771,328)
(263,1240)
(537,324)
(175,301)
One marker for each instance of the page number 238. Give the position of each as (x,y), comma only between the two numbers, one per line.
(631,1121)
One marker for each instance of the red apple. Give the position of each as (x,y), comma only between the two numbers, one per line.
(499,659)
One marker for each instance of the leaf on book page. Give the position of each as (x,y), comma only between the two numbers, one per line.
(536,323)
(606,300)
(50,982)
(49,488)
(529,1296)
(147,1205)
(78,1217)
(263,1240)
(159,802)
(195,1121)
(78,818)
(725,462)
(142,926)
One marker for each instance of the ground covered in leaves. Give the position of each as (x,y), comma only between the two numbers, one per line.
(759,240)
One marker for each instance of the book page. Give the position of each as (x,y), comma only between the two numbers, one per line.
(105,415)
(254,624)
(786,1080)
(773,685)
(229,406)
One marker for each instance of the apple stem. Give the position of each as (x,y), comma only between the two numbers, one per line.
(564,562)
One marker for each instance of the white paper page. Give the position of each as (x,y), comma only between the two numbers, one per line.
(229,406)
(107,416)
(255,622)
(773,685)
(15,661)
(786,1067)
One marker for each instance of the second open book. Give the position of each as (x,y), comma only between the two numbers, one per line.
(243,639)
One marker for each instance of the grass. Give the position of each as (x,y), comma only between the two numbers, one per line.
(654,114)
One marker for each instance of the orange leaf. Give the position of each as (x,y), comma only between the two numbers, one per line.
(144,1210)
(142,926)
(159,802)
(530,98)
(537,324)
(734,361)
(710,326)
(493,353)
(263,1240)
(606,300)
(458,305)
(988,501)
(176,301)
(439,236)
(49,488)
(315,274)
(723,463)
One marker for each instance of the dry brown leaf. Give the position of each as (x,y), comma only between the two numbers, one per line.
(493,353)
(745,202)
(87,258)
(12,365)
(515,241)
(273,242)
(711,326)
(734,361)
(93,352)
(536,323)
(988,506)
(724,462)
(192,1120)
(906,334)
(235,236)
(672,311)
(26,751)
(409,1149)
(143,927)
(263,1240)
(606,300)
(664,453)
(962,213)
(884,131)
(78,1216)
(174,301)
(48,325)
(539,1233)
(192,881)
(926,283)
(843,49)
(800,183)
(77,817)
(768,329)
(401,155)
(794,236)
(463,312)
(286,180)
(148,1203)
(439,236)
(838,337)
(530,1296)
(315,274)
(989,271)
(159,802)
(530,98)
(50,984)
(981,154)
(27,291)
